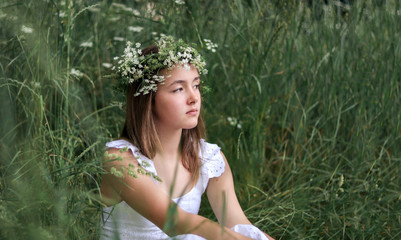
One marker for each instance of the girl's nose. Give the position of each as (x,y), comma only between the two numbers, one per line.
(193,96)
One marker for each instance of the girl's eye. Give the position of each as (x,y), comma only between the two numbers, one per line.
(178,90)
(197,86)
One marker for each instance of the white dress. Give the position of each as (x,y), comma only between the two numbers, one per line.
(122,222)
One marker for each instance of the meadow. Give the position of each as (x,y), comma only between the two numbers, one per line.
(304,101)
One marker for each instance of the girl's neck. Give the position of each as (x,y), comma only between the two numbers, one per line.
(170,142)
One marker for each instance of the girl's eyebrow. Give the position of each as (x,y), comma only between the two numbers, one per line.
(183,81)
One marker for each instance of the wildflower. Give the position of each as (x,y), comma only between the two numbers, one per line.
(26,29)
(62,14)
(120,105)
(119,39)
(131,170)
(86,44)
(136,12)
(124,149)
(179,2)
(160,180)
(124,8)
(210,45)
(187,67)
(145,164)
(114,19)
(135,29)
(76,72)
(107,65)
(117,173)
(234,122)
(36,84)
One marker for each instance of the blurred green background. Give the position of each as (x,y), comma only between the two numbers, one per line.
(304,101)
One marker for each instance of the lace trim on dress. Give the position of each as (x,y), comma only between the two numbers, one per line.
(213,164)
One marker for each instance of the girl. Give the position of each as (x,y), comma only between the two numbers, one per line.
(160,167)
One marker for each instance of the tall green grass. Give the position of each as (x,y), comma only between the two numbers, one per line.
(305,103)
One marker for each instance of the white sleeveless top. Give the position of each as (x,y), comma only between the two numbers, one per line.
(122,222)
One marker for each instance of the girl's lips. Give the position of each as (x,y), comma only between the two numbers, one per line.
(193,112)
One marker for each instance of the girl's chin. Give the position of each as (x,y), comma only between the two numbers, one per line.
(191,126)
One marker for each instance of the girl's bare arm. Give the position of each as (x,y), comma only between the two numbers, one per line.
(221,195)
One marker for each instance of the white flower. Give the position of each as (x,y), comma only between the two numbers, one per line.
(26,29)
(126,9)
(36,84)
(118,104)
(120,39)
(234,122)
(179,2)
(107,65)
(86,44)
(76,72)
(187,67)
(62,14)
(135,29)
(210,45)
(136,12)
(114,19)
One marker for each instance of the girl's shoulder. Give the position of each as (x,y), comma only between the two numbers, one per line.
(142,160)
(124,145)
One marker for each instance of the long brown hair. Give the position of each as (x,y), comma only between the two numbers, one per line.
(140,129)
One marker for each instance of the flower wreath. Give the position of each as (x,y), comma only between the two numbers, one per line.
(132,66)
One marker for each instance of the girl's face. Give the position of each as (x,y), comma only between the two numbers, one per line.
(177,103)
